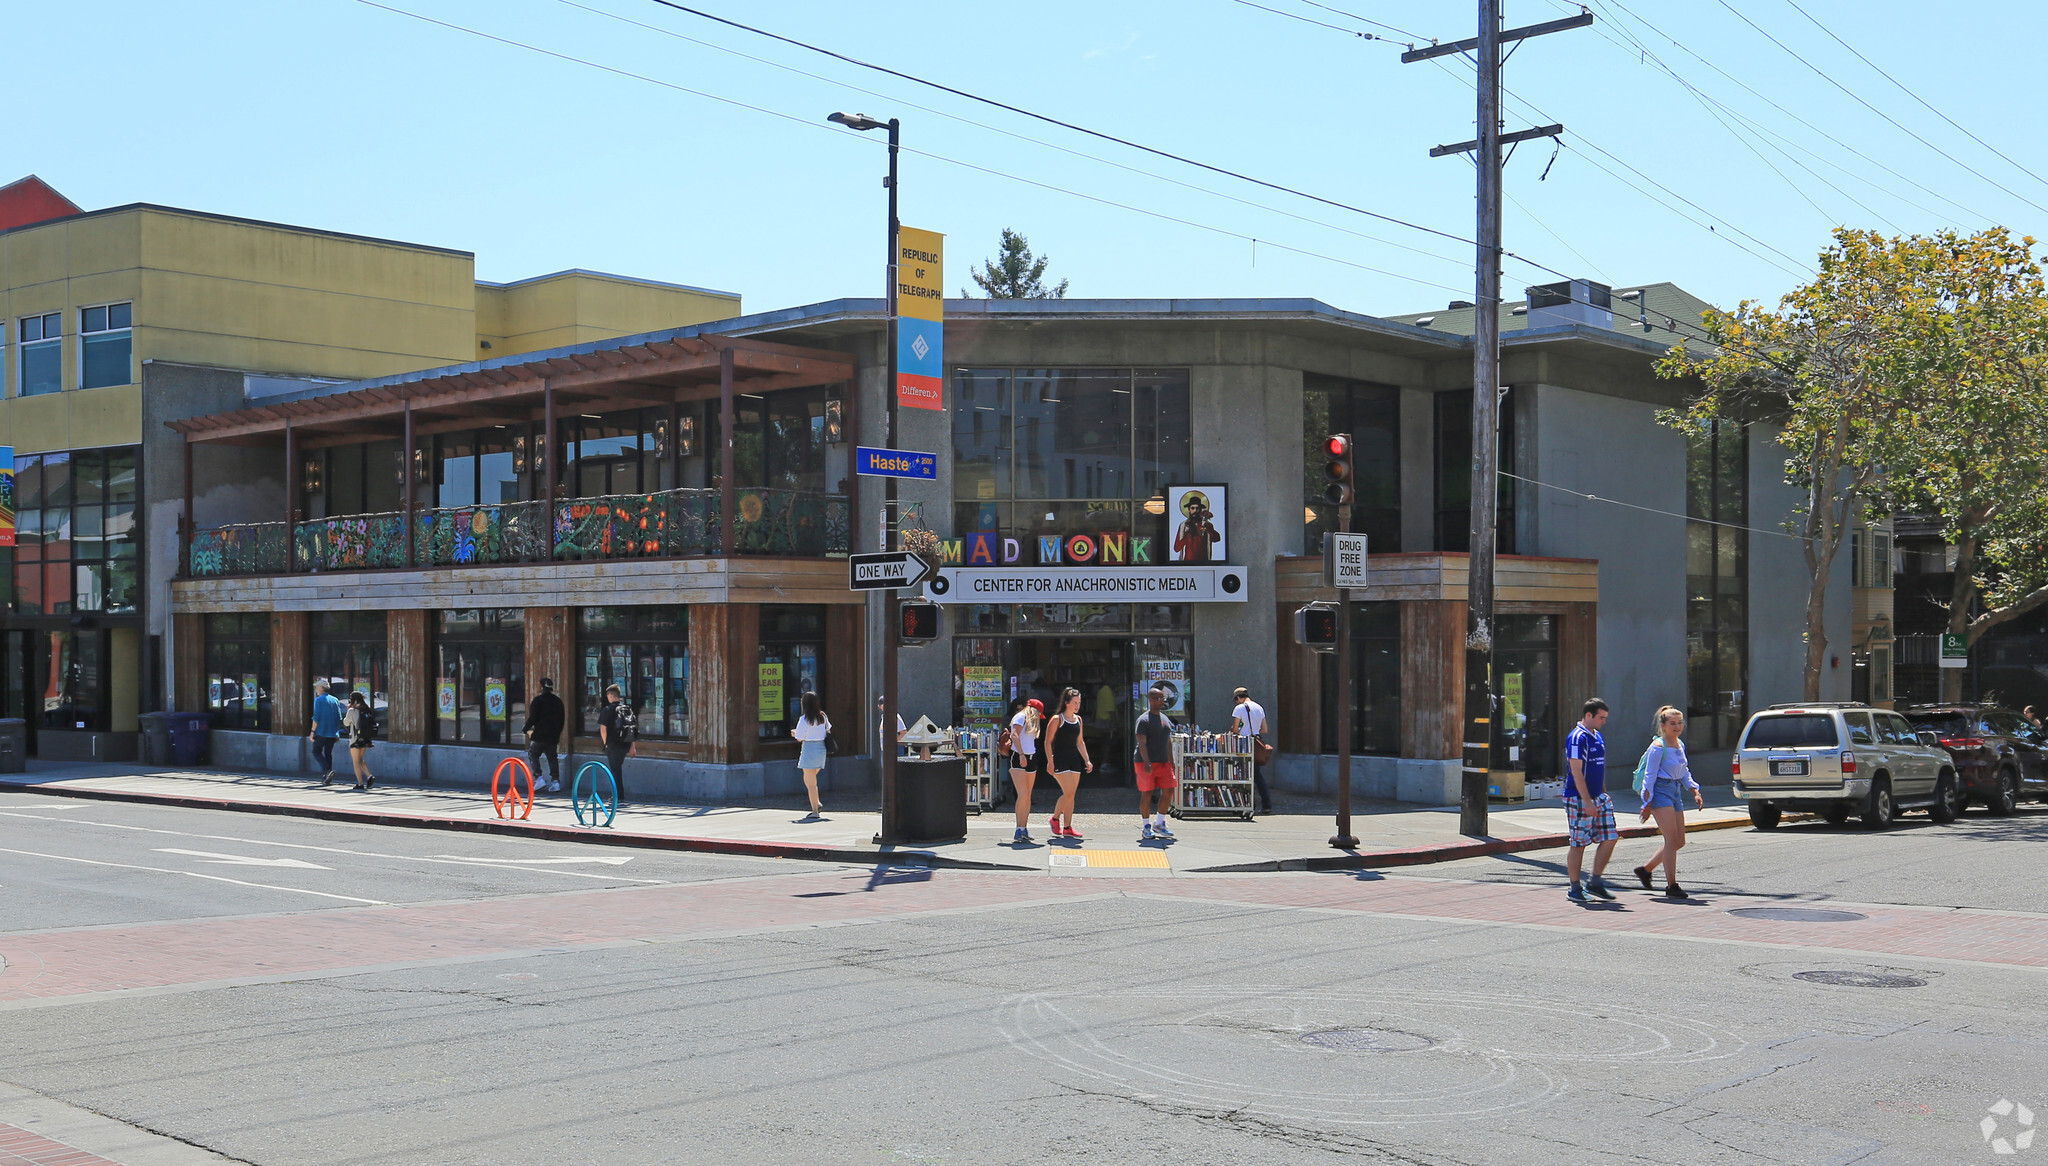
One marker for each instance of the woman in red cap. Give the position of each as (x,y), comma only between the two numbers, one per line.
(1024,761)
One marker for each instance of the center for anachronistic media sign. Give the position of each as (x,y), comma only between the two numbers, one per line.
(1186,584)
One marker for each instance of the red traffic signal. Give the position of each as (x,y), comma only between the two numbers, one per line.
(1338,487)
(920,623)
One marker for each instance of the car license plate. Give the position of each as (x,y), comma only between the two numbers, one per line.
(1788,768)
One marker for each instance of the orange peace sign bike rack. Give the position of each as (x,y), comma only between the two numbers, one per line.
(507,804)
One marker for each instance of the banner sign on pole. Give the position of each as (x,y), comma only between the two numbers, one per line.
(920,318)
(6,495)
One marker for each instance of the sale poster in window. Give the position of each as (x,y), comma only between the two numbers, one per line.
(444,700)
(981,694)
(494,699)
(1170,676)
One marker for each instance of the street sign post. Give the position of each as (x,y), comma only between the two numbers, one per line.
(1955,650)
(888,570)
(876,462)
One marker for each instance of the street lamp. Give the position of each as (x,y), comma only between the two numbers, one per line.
(891,621)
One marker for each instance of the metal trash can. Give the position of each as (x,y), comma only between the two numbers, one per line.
(156,738)
(188,733)
(931,801)
(13,745)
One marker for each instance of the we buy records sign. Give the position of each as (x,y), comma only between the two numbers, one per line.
(920,319)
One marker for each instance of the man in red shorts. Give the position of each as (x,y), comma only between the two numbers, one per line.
(1154,765)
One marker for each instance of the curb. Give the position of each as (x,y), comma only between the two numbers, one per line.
(520,829)
(1425,855)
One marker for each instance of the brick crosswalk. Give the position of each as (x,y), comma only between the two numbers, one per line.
(19,1147)
(50,965)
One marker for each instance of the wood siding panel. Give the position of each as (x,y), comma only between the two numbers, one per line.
(845,669)
(1578,661)
(188,663)
(1300,696)
(409,655)
(1432,678)
(1438,576)
(743,665)
(551,653)
(291,674)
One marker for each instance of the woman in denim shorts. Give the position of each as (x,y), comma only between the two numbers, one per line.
(1670,777)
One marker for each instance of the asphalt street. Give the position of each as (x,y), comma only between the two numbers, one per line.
(773,1012)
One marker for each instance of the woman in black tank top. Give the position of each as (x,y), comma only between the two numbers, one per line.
(1067,753)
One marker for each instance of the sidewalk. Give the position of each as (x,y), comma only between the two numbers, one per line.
(1296,838)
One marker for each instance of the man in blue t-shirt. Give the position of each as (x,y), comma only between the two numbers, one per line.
(1588,811)
(326,730)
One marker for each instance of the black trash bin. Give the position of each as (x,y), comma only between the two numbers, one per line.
(13,745)
(156,738)
(188,732)
(931,802)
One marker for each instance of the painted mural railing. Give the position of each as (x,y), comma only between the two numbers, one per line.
(667,524)
(255,548)
(350,542)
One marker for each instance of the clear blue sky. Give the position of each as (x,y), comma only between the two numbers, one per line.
(339,115)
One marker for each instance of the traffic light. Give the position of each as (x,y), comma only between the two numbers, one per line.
(1315,627)
(920,623)
(1338,481)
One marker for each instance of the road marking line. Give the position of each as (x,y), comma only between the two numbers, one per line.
(197,875)
(529,861)
(240,860)
(502,862)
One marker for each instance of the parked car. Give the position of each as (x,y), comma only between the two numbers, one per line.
(1838,759)
(2001,757)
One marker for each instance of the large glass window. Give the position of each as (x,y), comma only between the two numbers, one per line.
(349,652)
(1375,682)
(792,662)
(480,675)
(1454,474)
(76,533)
(106,346)
(1717,584)
(70,679)
(1371,414)
(1097,433)
(41,340)
(646,652)
(238,670)
(778,439)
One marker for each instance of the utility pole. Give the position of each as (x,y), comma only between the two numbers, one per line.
(1478,720)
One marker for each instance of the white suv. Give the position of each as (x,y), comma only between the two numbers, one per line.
(1839,759)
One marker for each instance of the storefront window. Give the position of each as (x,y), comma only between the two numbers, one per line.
(646,652)
(778,440)
(77,533)
(349,653)
(480,675)
(1375,682)
(1525,687)
(238,670)
(1069,433)
(1717,584)
(71,678)
(792,662)
(1371,414)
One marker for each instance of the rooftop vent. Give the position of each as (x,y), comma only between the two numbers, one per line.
(1578,301)
(1456,304)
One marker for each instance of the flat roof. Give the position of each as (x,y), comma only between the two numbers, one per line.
(220,218)
(568,271)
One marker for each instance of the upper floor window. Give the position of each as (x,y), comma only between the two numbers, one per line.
(106,346)
(42,354)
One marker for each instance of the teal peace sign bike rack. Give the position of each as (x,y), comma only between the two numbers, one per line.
(603,798)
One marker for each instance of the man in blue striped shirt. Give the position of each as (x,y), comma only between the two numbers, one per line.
(1588,811)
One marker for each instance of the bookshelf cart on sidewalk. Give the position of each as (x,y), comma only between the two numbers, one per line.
(1215,772)
(978,748)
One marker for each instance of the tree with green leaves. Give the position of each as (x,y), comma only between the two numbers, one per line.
(1015,274)
(1905,375)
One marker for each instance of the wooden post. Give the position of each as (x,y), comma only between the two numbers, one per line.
(728,507)
(406,475)
(547,440)
(185,530)
(291,498)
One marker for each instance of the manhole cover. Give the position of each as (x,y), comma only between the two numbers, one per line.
(1798,914)
(1860,979)
(1367,1040)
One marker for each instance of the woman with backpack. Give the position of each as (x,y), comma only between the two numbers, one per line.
(1023,749)
(811,729)
(360,722)
(1662,779)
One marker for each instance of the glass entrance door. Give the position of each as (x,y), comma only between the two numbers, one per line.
(1525,697)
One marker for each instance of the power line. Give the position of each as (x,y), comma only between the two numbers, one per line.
(787,68)
(807,122)
(1901,127)
(1651,509)
(1412,36)
(1309,20)
(1915,96)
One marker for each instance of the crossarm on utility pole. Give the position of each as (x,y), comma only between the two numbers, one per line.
(1513,34)
(1505,140)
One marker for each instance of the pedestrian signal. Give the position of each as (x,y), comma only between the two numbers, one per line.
(1315,627)
(920,622)
(1339,483)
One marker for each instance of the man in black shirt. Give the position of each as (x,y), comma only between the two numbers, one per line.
(545,716)
(1154,766)
(617,726)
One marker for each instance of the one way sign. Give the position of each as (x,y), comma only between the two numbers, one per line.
(888,570)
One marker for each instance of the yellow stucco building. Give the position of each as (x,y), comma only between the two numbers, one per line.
(114,321)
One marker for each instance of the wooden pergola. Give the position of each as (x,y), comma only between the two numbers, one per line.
(654,374)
